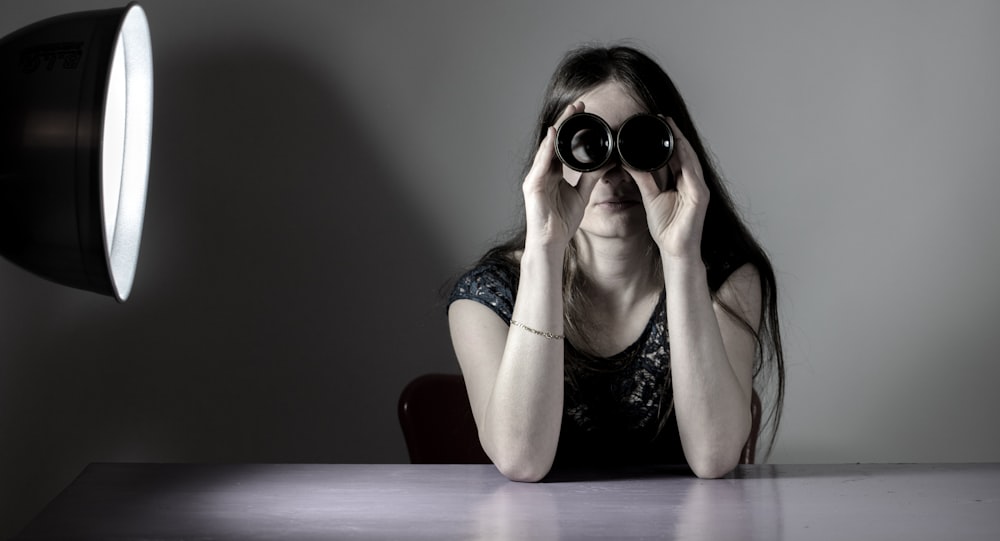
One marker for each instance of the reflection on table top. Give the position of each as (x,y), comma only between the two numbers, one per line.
(331,501)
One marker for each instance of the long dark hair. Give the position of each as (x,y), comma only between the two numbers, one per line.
(726,242)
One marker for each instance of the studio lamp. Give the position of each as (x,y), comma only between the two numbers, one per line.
(76,109)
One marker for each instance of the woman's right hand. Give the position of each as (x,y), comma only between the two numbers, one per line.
(554,207)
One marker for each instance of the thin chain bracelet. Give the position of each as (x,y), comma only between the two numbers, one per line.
(548,335)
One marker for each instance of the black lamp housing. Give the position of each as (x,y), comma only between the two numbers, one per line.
(76,103)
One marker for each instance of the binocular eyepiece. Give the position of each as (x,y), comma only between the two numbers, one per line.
(585,142)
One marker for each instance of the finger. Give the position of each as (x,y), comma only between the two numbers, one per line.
(683,150)
(542,164)
(585,187)
(569,175)
(570,110)
(684,157)
(648,187)
(686,166)
(546,150)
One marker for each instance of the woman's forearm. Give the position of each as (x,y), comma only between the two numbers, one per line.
(524,412)
(711,403)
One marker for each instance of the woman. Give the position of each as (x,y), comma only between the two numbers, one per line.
(562,333)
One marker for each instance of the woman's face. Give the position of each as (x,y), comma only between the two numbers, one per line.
(615,209)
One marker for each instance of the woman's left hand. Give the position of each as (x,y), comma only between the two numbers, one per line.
(676,217)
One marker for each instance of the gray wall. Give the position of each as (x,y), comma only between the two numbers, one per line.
(321,169)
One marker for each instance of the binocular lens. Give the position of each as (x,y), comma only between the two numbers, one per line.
(645,142)
(585,142)
(589,146)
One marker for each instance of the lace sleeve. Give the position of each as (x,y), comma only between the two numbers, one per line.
(490,285)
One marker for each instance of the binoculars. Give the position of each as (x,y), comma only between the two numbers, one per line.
(586,143)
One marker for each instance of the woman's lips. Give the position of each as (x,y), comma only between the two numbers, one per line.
(618,204)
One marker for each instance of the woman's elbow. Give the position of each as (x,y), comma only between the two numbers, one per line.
(712,471)
(714,465)
(523,469)
(522,474)
(521,458)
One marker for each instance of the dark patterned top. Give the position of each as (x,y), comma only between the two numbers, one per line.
(613,407)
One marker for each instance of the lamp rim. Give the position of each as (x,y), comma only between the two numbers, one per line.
(133,47)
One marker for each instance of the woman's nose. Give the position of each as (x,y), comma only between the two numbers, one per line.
(616,175)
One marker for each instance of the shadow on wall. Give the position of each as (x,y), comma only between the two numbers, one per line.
(285,294)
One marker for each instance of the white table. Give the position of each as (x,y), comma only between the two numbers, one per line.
(304,502)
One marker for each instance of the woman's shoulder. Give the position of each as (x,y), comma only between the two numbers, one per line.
(490,270)
(491,282)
